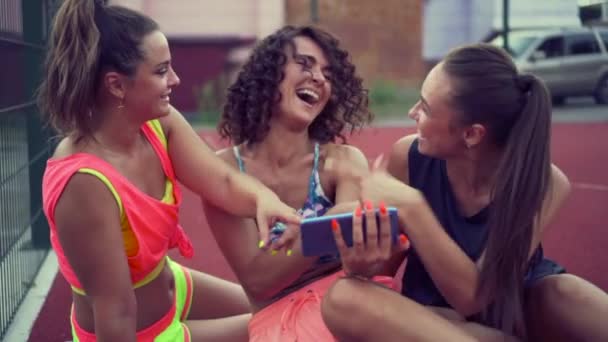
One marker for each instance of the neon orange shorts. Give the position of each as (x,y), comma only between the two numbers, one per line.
(170,327)
(297,316)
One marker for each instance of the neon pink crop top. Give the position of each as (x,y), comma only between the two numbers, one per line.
(154,223)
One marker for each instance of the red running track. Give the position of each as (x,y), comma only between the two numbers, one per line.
(576,239)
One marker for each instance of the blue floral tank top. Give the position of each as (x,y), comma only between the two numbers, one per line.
(316,204)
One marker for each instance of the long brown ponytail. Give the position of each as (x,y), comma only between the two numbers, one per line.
(87,38)
(67,91)
(516,109)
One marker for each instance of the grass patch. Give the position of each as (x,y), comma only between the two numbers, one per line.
(389,101)
(208,119)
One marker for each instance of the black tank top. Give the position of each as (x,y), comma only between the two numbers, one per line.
(429,175)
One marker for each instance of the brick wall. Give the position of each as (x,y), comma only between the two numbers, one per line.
(216,18)
(385,40)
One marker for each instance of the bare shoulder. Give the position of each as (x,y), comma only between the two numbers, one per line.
(398,165)
(85,202)
(559,189)
(169,121)
(345,154)
(342,162)
(559,186)
(227,155)
(175,122)
(66,147)
(403,145)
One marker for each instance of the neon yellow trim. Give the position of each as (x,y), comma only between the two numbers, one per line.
(107,182)
(131,243)
(160,134)
(124,223)
(168,197)
(147,279)
(74,335)
(177,331)
(77,290)
(152,275)
(158,129)
(188,304)
(183,285)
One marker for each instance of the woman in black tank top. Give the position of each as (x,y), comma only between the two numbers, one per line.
(479,189)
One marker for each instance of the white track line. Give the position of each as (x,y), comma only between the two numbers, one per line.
(590,186)
(21,326)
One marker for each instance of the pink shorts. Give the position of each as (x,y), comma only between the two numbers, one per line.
(297,316)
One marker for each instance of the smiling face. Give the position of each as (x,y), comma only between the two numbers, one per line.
(439,134)
(306,86)
(147,92)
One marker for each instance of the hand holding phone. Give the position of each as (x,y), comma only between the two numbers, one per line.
(318,238)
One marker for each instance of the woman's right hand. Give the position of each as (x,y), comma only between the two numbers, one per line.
(270,210)
(367,256)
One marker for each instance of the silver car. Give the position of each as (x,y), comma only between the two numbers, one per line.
(571,61)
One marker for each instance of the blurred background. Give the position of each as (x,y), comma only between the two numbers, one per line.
(393,43)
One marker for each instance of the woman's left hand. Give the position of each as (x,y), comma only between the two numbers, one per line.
(368,254)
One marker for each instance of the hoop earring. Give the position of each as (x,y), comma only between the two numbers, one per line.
(121,105)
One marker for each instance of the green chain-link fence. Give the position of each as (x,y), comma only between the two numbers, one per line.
(24,149)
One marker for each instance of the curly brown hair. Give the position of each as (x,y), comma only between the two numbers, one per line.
(247,112)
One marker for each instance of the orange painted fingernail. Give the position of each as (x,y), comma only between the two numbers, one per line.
(382,206)
(403,239)
(358,211)
(369,205)
(289,252)
(334,225)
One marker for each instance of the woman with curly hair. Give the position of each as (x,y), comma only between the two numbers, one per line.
(295,96)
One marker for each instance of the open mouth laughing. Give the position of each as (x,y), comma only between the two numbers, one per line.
(308,96)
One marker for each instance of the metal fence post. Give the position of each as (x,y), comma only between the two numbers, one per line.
(38,149)
(24,147)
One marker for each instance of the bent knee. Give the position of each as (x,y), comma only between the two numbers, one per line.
(342,304)
(339,298)
(565,289)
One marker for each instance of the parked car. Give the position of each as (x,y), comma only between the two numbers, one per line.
(571,61)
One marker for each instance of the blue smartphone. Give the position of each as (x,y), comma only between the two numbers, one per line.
(318,238)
